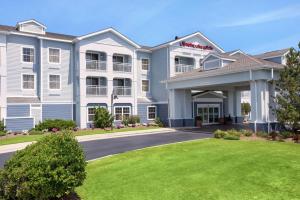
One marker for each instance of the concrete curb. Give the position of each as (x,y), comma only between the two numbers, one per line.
(19,146)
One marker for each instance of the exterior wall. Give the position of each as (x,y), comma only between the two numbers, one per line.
(18,110)
(142,74)
(3,77)
(159,72)
(110,44)
(32,27)
(212,64)
(64,69)
(57,111)
(15,66)
(275,59)
(19,124)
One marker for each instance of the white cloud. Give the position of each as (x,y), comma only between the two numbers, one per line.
(274,15)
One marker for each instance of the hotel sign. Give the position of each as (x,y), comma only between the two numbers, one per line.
(198,46)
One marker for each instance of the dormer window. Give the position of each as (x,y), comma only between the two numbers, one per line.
(31,26)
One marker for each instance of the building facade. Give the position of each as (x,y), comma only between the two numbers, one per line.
(48,75)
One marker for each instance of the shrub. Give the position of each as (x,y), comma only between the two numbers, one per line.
(234,132)
(133,119)
(2,126)
(262,134)
(48,169)
(286,134)
(158,122)
(103,118)
(59,124)
(2,133)
(245,108)
(35,132)
(246,133)
(231,137)
(125,121)
(219,133)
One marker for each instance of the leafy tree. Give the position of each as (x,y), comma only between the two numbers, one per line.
(288,100)
(246,108)
(103,118)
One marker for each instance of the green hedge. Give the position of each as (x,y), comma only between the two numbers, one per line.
(59,124)
(48,169)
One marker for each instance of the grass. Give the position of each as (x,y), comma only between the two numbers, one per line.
(30,138)
(203,169)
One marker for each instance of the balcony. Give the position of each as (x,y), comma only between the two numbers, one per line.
(95,90)
(180,68)
(96,65)
(122,90)
(184,64)
(121,67)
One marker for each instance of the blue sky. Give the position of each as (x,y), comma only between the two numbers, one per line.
(253,26)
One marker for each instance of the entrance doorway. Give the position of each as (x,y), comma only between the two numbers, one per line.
(210,113)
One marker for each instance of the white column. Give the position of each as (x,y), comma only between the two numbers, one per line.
(272,115)
(180,104)
(238,103)
(231,103)
(259,101)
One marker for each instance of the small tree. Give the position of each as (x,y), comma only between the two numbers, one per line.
(246,108)
(288,99)
(103,118)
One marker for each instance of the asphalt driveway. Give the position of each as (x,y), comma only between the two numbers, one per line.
(104,147)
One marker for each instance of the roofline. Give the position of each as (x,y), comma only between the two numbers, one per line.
(265,57)
(104,31)
(186,37)
(230,72)
(217,55)
(36,36)
(31,20)
(237,51)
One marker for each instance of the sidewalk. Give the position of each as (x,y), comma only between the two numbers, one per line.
(19,146)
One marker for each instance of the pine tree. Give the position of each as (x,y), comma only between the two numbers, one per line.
(288,100)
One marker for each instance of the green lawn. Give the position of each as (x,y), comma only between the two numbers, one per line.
(30,138)
(203,169)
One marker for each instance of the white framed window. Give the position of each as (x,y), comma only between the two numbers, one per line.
(122,112)
(54,82)
(28,81)
(27,54)
(145,64)
(151,112)
(145,85)
(54,55)
(91,113)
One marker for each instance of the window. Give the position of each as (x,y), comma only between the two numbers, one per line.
(118,58)
(145,85)
(91,114)
(122,112)
(151,112)
(54,55)
(54,82)
(145,64)
(28,54)
(28,81)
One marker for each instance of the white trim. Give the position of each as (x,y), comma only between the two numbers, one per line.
(217,56)
(105,31)
(34,54)
(49,74)
(148,112)
(237,51)
(186,37)
(48,55)
(18,117)
(210,92)
(159,102)
(34,82)
(31,20)
(148,85)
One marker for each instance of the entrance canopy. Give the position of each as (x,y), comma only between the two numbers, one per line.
(244,72)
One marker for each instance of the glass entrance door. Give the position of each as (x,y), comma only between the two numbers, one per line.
(209,113)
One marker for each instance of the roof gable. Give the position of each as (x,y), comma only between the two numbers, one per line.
(208,94)
(31,26)
(106,31)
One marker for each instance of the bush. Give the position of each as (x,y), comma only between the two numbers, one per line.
(48,169)
(286,134)
(2,133)
(234,132)
(219,133)
(60,124)
(2,126)
(103,118)
(158,122)
(133,119)
(35,132)
(246,133)
(262,134)
(245,108)
(231,137)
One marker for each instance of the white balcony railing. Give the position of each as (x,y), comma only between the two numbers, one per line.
(122,67)
(96,65)
(122,90)
(95,90)
(179,68)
